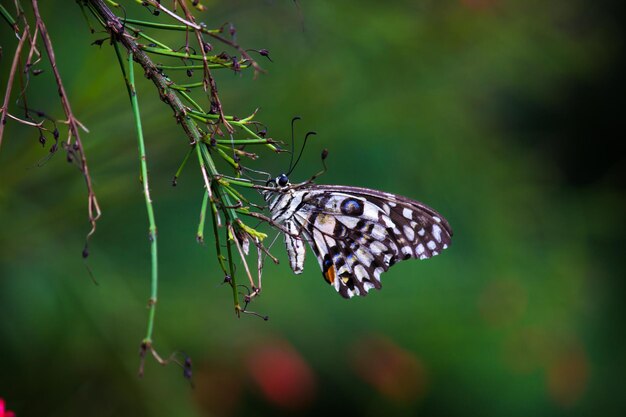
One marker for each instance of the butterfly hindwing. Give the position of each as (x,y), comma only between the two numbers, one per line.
(340,257)
(295,247)
(357,233)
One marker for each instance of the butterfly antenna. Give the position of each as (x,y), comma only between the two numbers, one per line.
(301,151)
(324,169)
(293,122)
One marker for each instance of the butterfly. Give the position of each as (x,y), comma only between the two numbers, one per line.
(355,233)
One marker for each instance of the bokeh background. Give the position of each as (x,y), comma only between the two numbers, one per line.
(503,115)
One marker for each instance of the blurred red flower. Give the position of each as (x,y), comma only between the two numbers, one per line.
(4,413)
(568,376)
(283,376)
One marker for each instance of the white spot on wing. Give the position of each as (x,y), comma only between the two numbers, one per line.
(360,272)
(364,256)
(325,223)
(377,247)
(377,273)
(421,232)
(431,245)
(437,219)
(437,233)
(378,232)
(409,232)
(318,238)
(388,222)
(349,222)
(408,213)
(420,249)
(370,211)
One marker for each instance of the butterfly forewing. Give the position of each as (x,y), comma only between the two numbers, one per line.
(356,233)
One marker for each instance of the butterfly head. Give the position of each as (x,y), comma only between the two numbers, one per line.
(282,181)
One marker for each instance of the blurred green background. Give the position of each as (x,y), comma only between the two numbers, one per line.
(499,114)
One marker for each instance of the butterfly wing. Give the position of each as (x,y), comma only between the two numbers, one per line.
(358,233)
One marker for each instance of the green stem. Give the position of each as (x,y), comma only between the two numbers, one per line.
(228,159)
(182,165)
(243,141)
(227,180)
(232,215)
(148,38)
(235,194)
(205,160)
(231,266)
(7,16)
(200,234)
(242,65)
(218,247)
(183,55)
(152,230)
(186,87)
(206,118)
(166,26)
(190,100)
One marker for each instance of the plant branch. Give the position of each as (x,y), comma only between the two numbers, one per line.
(218,194)
(152,230)
(116,29)
(157,5)
(9,19)
(7,95)
(73,126)
(209,81)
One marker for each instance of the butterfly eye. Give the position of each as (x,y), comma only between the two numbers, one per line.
(282,180)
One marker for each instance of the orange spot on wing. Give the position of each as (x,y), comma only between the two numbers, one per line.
(330,274)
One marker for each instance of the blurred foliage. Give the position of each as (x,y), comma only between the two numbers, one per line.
(497,113)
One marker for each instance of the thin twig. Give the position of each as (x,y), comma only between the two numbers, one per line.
(7,95)
(241,254)
(73,124)
(159,6)
(242,51)
(208,77)
(33,49)
(38,125)
(259,261)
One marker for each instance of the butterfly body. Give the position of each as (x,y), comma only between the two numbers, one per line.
(356,233)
